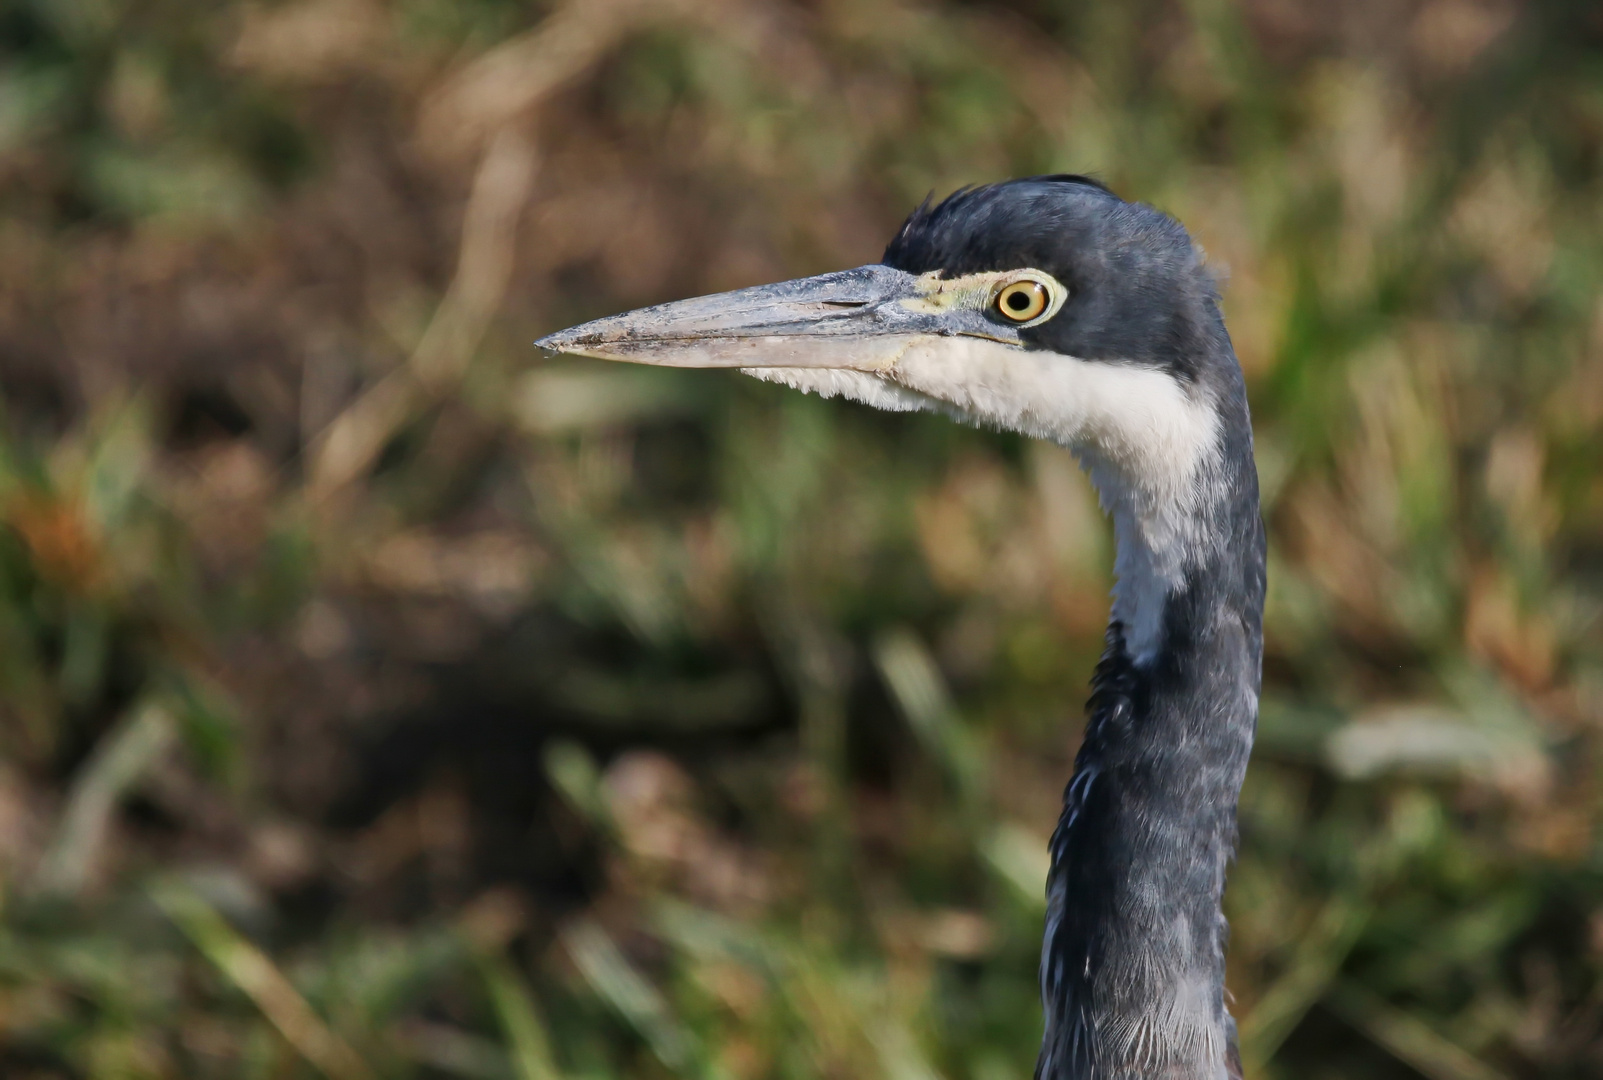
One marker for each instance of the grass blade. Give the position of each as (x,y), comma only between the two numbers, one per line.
(1407,1038)
(520,1019)
(1307,978)
(611,976)
(118,763)
(250,969)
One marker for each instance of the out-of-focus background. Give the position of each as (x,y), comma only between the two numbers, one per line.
(380,697)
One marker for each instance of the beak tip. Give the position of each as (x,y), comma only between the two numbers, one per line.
(561,341)
(581,340)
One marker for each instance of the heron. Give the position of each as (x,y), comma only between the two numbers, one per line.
(1052,307)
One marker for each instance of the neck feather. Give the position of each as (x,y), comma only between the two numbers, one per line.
(1133,962)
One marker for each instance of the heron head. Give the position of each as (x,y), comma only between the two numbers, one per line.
(1047,306)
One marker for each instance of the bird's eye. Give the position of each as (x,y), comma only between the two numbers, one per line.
(1022,300)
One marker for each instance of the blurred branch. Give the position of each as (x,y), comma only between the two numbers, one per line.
(507,83)
(489,229)
(250,969)
(357,436)
(119,760)
(488,102)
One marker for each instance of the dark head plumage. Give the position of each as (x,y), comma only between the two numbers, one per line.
(1139,289)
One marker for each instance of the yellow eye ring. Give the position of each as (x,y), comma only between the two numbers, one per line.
(1022,300)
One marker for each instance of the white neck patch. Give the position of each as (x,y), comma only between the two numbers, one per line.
(854,385)
(1150,444)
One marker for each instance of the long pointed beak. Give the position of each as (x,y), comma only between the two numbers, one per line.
(857,320)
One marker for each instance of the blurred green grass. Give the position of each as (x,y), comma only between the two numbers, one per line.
(381,698)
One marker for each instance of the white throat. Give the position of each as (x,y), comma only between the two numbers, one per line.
(1156,539)
(1149,443)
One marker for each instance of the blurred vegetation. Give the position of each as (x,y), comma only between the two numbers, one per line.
(381,698)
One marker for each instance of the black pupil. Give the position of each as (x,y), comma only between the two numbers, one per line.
(1019,300)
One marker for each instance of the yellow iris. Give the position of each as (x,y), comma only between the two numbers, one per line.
(1022,300)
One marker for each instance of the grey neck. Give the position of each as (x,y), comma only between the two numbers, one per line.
(1132,966)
